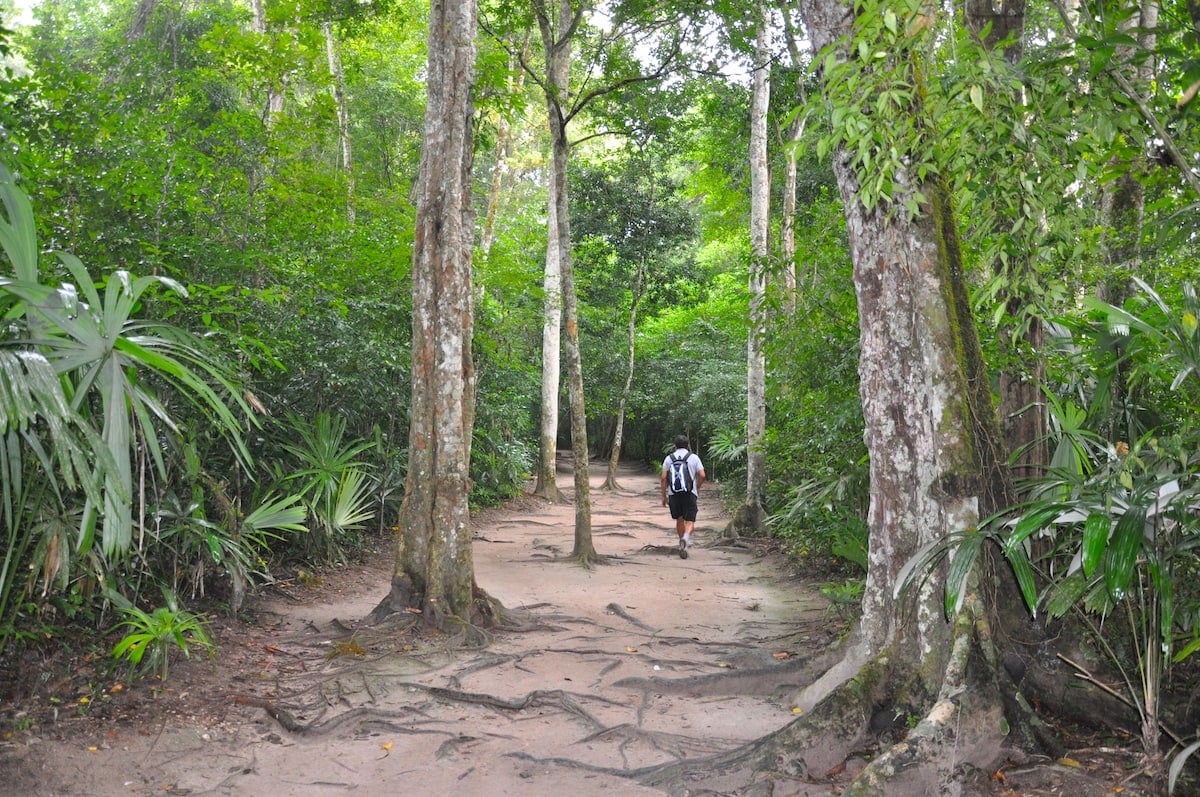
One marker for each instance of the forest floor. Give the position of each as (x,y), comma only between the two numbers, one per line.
(645,660)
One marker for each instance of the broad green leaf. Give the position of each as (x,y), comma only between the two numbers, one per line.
(961,565)
(1095,540)
(285,513)
(1123,550)
(1018,559)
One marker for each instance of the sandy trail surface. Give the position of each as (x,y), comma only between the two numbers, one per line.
(649,659)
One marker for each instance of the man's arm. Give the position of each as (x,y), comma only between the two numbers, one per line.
(662,483)
(700,476)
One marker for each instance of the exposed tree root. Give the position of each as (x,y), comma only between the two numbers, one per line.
(667,550)
(783,677)
(673,744)
(962,730)
(616,609)
(287,719)
(589,560)
(749,519)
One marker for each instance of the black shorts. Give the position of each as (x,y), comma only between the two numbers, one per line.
(683,505)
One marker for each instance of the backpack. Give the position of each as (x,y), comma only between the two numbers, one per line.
(679,477)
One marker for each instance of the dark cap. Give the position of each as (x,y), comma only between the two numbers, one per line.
(681,441)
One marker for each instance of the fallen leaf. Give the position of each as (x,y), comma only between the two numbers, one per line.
(630,649)
(783,654)
(386,745)
(1070,762)
(797,710)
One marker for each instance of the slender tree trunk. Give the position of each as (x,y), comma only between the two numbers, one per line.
(556,41)
(795,132)
(333,55)
(274,94)
(1122,208)
(516,84)
(434,571)
(614,459)
(141,18)
(751,517)
(547,480)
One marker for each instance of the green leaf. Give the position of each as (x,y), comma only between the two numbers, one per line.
(286,513)
(1018,559)
(1030,523)
(1095,540)
(961,565)
(976,93)
(1123,552)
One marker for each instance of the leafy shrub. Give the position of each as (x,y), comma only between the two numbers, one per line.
(153,637)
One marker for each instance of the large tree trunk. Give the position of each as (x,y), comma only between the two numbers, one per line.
(434,572)
(931,434)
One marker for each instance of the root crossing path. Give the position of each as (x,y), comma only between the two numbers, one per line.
(645,661)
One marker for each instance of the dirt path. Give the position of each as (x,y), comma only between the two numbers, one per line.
(649,660)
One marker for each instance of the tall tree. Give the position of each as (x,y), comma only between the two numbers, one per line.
(514,85)
(557,29)
(610,55)
(334,57)
(751,516)
(434,569)
(930,427)
(793,135)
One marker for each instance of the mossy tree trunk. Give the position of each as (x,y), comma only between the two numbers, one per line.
(932,435)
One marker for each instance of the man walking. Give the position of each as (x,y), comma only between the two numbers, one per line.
(682,475)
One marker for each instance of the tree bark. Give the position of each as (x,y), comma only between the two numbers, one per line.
(795,132)
(931,434)
(556,34)
(334,57)
(434,573)
(614,459)
(556,40)
(547,480)
(515,86)
(752,517)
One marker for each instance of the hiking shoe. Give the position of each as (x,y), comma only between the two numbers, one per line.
(682,548)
